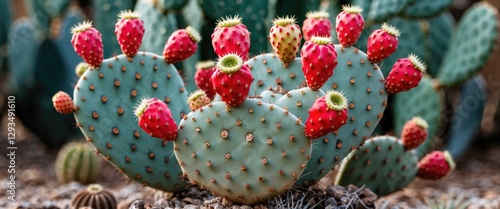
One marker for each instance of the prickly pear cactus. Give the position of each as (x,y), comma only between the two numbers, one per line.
(472,44)
(246,154)
(105,98)
(382,10)
(440,29)
(381,164)
(426,8)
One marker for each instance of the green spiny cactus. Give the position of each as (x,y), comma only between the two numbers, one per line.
(439,30)
(424,101)
(106,97)
(471,46)
(94,196)
(246,154)
(71,59)
(426,8)
(76,161)
(382,10)
(270,96)
(167,5)
(382,164)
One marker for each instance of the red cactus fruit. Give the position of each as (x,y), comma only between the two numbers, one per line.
(87,43)
(181,45)
(63,103)
(155,118)
(203,77)
(327,115)
(349,25)
(285,37)
(129,31)
(414,133)
(316,24)
(197,100)
(435,165)
(319,58)
(382,43)
(232,79)
(231,37)
(405,74)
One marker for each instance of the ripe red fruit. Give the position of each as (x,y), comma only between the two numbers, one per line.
(63,103)
(231,36)
(181,45)
(349,25)
(197,100)
(382,43)
(327,115)
(435,165)
(414,133)
(87,43)
(203,77)
(319,58)
(405,74)
(155,118)
(285,37)
(232,79)
(316,24)
(129,31)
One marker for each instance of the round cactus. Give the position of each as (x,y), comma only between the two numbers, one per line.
(76,161)
(94,196)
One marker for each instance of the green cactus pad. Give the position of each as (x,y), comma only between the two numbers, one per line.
(471,46)
(411,41)
(170,5)
(363,85)
(269,71)
(269,96)
(157,26)
(423,101)
(381,164)
(382,10)
(246,154)
(440,29)
(426,8)
(324,156)
(106,98)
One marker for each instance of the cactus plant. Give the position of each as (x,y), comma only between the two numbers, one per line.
(94,196)
(76,161)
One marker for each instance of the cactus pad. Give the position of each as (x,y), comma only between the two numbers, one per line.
(105,99)
(440,29)
(381,164)
(382,10)
(426,8)
(157,26)
(246,154)
(471,46)
(423,101)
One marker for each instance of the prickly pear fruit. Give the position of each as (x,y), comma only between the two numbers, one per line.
(203,77)
(414,133)
(232,79)
(316,24)
(155,118)
(81,68)
(435,165)
(405,74)
(382,43)
(285,37)
(129,30)
(63,103)
(87,43)
(349,25)
(231,36)
(182,44)
(197,100)
(327,115)
(319,58)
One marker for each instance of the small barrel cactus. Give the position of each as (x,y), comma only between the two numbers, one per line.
(94,196)
(77,162)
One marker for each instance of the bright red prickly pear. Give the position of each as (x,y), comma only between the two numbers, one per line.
(87,43)
(203,77)
(231,36)
(327,115)
(349,25)
(316,24)
(382,43)
(414,133)
(232,79)
(63,103)
(129,31)
(181,45)
(285,37)
(319,58)
(435,165)
(155,118)
(405,74)
(197,100)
